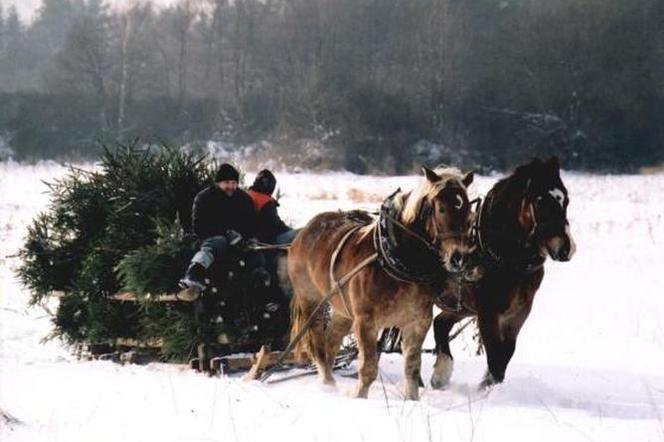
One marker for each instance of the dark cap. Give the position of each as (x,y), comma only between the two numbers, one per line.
(265,182)
(226,172)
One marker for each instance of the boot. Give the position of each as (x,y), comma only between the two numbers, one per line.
(195,277)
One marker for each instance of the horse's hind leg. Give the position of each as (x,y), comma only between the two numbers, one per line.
(366,335)
(305,300)
(338,327)
(413,337)
(444,365)
(317,345)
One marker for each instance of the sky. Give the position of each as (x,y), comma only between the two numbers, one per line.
(27,8)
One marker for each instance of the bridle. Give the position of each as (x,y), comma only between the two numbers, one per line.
(384,244)
(530,265)
(438,237)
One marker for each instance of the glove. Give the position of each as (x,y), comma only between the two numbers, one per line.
(233,237)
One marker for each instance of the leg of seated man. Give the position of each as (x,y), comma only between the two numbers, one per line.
(286,238)
(212,249)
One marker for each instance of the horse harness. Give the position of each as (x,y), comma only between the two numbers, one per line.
(388,248)
(388,256)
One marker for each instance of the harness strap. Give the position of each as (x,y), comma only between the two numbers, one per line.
(426,242)
(333,262)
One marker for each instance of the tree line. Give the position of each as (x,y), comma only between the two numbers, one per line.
(371,86)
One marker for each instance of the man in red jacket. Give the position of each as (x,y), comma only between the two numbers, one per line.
(271,229)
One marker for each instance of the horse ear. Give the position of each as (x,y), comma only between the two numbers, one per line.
(553,163)
(468,178)
(535,162)
(430,174)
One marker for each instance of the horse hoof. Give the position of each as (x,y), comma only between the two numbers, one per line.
(488,382)
(328,382)
(359,393)
(414,396)
(438,383)
(442,371)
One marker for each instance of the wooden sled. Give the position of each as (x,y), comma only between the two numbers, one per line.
(255,363)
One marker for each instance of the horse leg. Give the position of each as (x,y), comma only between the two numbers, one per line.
(411,345)
(338,328)
(499,333)
(367,335)
(304,302)
(444,365)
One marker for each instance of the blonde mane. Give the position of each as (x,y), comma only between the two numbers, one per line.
(410,203)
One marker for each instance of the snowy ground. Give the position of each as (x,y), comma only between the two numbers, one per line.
(589,363)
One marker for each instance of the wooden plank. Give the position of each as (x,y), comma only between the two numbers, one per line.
(186,295)
(262,359)
(246,361)
(127,342)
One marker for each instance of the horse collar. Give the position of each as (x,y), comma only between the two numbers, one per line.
(389,250)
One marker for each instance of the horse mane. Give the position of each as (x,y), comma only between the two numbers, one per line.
(507,193)
(410,204)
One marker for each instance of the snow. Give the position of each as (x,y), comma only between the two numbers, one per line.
(589,363)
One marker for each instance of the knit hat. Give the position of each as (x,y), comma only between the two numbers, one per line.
(226,172)
(265,182)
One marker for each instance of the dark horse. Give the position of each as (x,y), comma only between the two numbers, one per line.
(522,220)
(427,228)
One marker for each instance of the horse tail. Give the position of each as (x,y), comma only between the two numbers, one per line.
(299,316)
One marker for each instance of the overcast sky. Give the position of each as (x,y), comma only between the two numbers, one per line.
(27,8)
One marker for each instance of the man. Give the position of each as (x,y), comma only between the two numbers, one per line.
(271,229)
(222,215)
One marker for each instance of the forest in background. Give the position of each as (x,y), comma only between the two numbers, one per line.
(372,86)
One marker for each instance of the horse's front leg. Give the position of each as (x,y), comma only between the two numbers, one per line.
(444,365)
(366,335)
(499,333)
(499,350)
(413,338)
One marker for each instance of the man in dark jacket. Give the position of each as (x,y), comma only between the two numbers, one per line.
(271,228)
(222,215)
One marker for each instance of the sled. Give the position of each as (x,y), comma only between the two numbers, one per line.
(253,363)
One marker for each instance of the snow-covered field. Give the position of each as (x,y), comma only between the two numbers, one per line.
(589,363)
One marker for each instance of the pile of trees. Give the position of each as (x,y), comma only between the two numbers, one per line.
(123,228)
(490,81)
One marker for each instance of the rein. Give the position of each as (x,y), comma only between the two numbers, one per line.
(429,244)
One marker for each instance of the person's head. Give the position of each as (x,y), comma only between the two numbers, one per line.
(265,182)
(227,178)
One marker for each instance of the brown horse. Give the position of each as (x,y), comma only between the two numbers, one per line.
(424,233)
(522,220)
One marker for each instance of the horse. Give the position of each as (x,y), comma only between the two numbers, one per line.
(522,220)
(420,235)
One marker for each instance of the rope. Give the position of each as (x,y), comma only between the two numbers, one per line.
(265,246)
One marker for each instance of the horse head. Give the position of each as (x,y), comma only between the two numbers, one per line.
(542,212)
(440,205)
